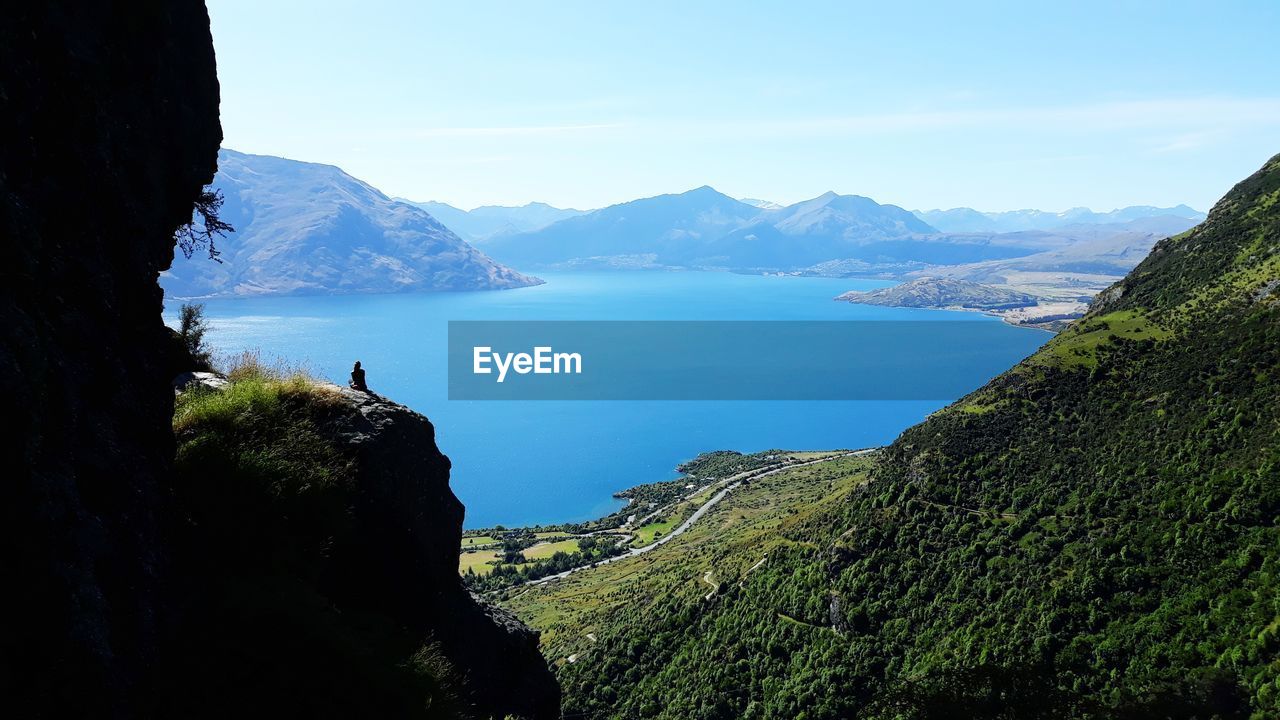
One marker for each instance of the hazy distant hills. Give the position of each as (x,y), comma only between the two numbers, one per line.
(308,228)
(490,220)
(1073,271)
(703,228)
(676,228)
(850,227)
(970,220)
(850,216)
(707,229)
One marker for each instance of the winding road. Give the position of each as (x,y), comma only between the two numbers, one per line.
(730,483)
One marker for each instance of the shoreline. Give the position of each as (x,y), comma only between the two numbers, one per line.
(728,486)
(670,508)
(625,495)
(1055,320)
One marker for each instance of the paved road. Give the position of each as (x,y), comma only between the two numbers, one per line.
(734,481)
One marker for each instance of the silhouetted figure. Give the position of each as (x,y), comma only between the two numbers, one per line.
(357,378)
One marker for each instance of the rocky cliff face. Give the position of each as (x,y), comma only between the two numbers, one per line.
(109,116)
(326,540)
(109,120)
(404,563)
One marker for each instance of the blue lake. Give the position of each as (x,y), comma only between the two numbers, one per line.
(519,463)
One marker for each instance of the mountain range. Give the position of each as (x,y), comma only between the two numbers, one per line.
(970,220)
(489,220)
(307,228)
(673,227)
(705,228)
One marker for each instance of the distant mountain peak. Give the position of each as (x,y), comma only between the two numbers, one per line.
(703,227)
(704,190)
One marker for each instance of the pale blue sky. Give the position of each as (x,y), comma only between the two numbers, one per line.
(996,106)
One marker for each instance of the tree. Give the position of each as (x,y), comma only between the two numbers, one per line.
(205,225)
(192,327)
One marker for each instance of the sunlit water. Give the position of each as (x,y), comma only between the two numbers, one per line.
(520,463)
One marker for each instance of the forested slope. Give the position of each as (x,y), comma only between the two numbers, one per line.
(1092,534)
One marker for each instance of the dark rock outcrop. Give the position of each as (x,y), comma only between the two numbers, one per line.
(405,563)
(195,378)
(109,117)
(109,120)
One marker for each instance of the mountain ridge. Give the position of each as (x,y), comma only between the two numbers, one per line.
(704,228)
(310,228)
(480,223)
(669,225)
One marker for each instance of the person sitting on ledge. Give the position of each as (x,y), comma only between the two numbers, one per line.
(357,378)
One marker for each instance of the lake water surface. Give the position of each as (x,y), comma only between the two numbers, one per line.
(519,463)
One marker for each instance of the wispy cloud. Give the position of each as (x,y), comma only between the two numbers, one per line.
(1185,142)
(1198,114)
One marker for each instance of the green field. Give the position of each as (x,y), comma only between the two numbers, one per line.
(646,534)
(478,540)
(480,561)
(546,550)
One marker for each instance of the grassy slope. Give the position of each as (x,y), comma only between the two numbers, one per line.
(268,496)
(1092,534)
(730,539)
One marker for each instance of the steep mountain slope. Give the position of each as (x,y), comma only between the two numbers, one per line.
(488,220)
(308,228)
(1092,534)
(970,220)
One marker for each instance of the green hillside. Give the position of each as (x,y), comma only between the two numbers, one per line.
(1092,534)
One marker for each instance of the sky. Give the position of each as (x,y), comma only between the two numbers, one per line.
(990,105)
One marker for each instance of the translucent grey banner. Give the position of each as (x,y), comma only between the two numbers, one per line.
(728,360)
